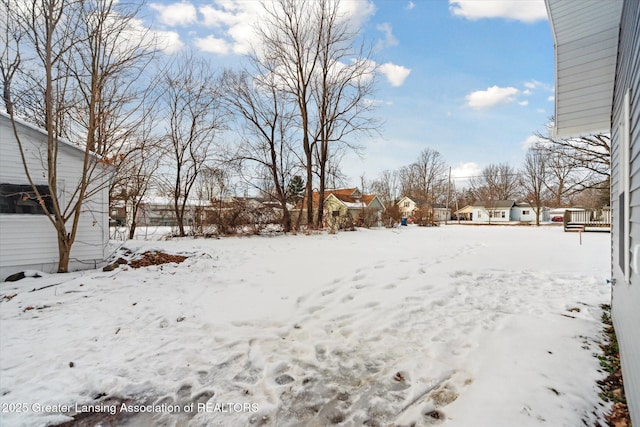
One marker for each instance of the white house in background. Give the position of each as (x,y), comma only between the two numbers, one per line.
(409,205)
(598,90)
(496,211)
(28,240)
(506,211)
(524,212)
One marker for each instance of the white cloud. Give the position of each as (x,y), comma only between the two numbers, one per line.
(535,84)
(168,41)
(234,22)
(465,170)
(176,14)
(396,74)
(357,12)
(410,5)
(526,92)
(213,45)
(531,141)
(521,10)
(492,96)
(389,39)
(523,103)
(213,17)
(541,110)
(551,98)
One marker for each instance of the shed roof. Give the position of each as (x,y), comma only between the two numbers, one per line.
(496,204)
(24,124)
(586,45)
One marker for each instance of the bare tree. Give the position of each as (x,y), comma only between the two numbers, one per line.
(533,178)
(589,157)
(386,187)
(266,131)
(308,46)
(84,63)
(136,173)
(563,177)
(408,177)
(496,182)
(343,82)
(289,40)
(191,109)
(430,171)
(10,55)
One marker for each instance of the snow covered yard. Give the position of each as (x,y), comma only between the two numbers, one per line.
(455,325)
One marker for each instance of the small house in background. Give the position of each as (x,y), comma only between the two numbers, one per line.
(524,212)
(345,208)
(410,207)
(441,213)
(503,211)
(464,214)
(349,204)
(597,56)
(493,211)
(28,240)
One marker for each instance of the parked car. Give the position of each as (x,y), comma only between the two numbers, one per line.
(557,218)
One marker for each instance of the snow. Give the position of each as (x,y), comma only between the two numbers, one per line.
(460,325)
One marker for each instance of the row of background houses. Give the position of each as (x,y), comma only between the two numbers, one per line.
(343,208)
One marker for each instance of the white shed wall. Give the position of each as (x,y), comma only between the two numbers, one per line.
(29,241)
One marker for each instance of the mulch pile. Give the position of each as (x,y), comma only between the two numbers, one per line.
(156,258)
(147,259)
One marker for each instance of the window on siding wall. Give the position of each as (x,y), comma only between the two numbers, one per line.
(21,199)
(624,127)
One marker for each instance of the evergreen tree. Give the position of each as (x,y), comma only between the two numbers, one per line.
(295,190)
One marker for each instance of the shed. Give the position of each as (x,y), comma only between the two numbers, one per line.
(29,240)
(598,89)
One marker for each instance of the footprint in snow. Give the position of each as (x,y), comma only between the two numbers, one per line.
(284,379)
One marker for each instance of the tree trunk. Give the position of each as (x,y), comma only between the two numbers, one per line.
(286,218)
(64,250)
(309,190)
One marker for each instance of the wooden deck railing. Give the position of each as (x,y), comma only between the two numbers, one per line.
(580,220)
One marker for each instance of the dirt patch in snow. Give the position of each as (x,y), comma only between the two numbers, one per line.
(156,258)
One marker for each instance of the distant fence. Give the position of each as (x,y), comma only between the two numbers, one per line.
(590,218)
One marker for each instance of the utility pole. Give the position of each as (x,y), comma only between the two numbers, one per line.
(448,197)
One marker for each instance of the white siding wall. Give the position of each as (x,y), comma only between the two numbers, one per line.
(482,215)
(586,38)
(626,295)
(30,241)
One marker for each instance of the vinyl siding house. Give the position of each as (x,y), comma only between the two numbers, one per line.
(497,211)
(28,239)
(350,203)
(344,207)
(501,211)
(409,205)
(597,60)
(524,212)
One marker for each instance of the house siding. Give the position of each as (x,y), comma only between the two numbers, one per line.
(626,295)
(585,60)
(30,241)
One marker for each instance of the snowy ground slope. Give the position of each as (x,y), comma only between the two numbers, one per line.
(482,326)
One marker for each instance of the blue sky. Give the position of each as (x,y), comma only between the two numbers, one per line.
(472,79)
